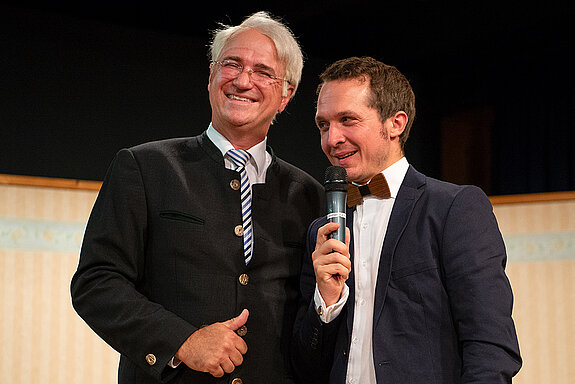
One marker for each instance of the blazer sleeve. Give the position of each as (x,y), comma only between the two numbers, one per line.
(481,299)
(313,341)
(107,286)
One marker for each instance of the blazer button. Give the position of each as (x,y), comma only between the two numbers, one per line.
(313,344)
(235,184)
(242,331)
(150,359)
(237,380)
(239,230)
(243,279)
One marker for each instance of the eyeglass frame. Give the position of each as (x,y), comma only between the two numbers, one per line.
(241,68)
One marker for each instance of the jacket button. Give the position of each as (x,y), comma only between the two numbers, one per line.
(235,184)
(150,359)
(237,380)
(239,230)
(242,331)
(243,279)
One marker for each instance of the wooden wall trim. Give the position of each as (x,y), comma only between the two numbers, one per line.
(49,182)
(532,197)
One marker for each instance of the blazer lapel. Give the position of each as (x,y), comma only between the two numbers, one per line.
(411,189)
(351,279)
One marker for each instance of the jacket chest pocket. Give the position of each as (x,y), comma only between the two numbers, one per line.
(181,216)
(408,279)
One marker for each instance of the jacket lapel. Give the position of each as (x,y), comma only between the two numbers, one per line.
(351,279)
(411,189)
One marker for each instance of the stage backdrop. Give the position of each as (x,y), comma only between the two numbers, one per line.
(44,341)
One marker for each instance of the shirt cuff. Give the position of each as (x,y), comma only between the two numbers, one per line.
(327,314)
(174,362)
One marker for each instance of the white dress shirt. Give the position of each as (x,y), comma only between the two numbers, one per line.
(370,220)
(258,163)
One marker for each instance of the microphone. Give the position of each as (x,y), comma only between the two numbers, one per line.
(336,193)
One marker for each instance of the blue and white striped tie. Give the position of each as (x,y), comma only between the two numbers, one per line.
(240,158)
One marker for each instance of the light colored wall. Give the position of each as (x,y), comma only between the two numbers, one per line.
(44,341)
(42,338)
(540,241)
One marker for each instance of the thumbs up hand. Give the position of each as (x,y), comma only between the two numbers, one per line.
(216,348)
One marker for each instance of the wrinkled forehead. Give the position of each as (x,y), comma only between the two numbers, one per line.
(250,44)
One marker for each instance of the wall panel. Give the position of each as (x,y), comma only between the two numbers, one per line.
(43,339)
(540,241)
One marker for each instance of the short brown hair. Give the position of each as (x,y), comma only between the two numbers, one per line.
(390,90)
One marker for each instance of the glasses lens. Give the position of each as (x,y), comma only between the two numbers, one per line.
(231,69)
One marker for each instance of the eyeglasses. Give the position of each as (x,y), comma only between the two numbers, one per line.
(233,69)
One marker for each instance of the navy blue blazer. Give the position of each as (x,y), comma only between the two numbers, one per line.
(443,303)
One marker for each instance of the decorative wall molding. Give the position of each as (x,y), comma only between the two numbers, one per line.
(41,235)
(540,246)
(58,236)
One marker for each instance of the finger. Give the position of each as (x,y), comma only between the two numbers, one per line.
(326,253)
(347,237)
(332,258)
(241,346)
(333,245)
(227,366)
(323,233)
(217,372)
(330,271)
(237,358)
(238,321)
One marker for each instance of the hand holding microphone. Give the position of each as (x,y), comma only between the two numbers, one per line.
(331,256)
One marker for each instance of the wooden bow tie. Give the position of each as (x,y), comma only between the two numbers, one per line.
(377,187)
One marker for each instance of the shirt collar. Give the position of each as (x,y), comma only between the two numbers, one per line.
(258,151)
(394,175)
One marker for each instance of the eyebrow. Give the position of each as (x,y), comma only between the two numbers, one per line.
(258,65)
(339,114)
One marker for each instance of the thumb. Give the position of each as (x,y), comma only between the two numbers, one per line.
(238,321)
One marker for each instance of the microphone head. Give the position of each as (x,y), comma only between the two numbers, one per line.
(335,179)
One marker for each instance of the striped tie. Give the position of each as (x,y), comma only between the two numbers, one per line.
(240,158)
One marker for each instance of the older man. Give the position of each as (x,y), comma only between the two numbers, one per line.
(187,234)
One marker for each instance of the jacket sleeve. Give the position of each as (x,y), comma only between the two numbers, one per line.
(106,288)
(481,299)
(313,341)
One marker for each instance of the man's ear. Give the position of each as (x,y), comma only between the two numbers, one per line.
(286,99)
(212,73)
(398,123)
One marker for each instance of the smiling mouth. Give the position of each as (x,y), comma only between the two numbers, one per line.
(234,97)
(345,156)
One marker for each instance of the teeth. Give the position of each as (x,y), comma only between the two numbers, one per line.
(234,97)
(345,156)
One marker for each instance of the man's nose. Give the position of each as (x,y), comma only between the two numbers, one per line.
(244,79)
(335,135)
